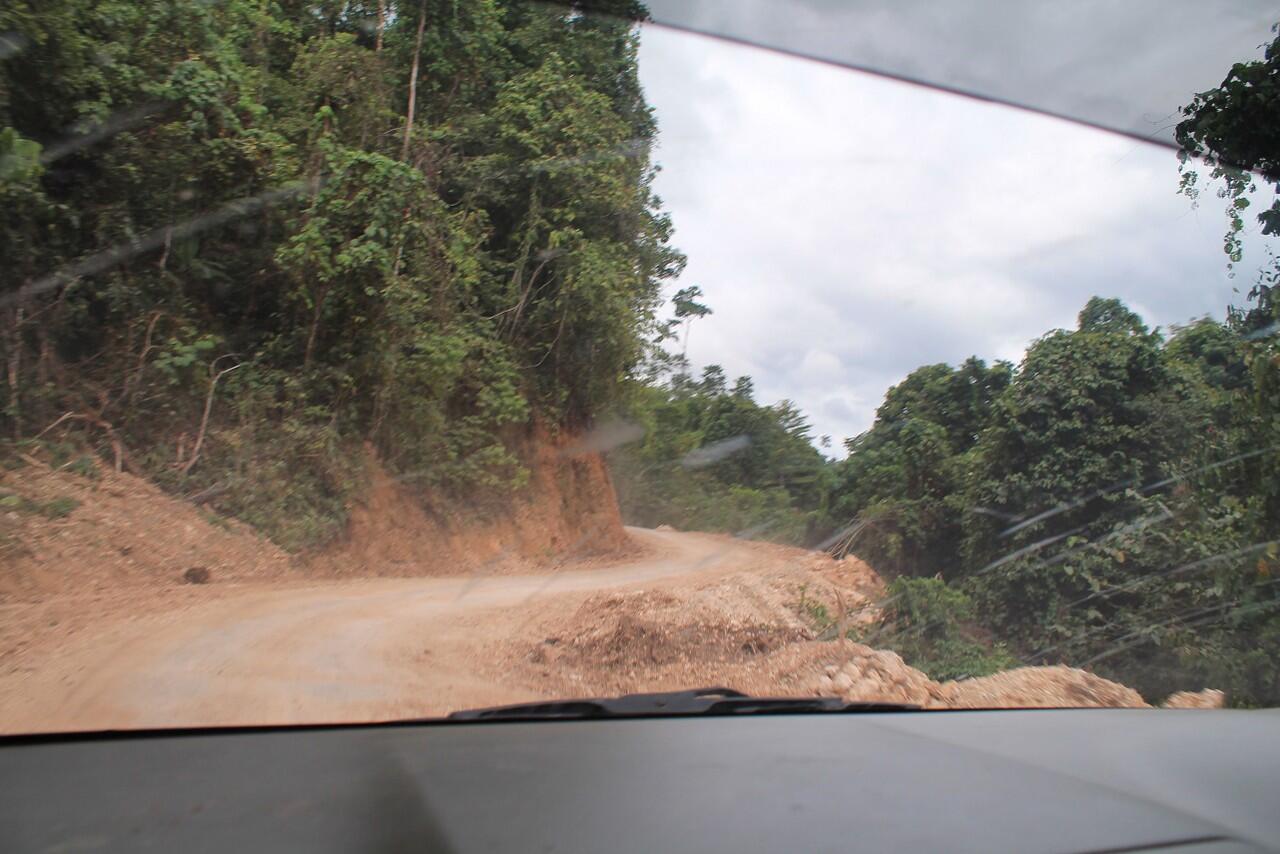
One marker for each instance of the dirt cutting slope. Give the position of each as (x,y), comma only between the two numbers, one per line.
(67,534)
(567,509)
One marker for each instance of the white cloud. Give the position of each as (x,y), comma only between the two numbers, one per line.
(847,229)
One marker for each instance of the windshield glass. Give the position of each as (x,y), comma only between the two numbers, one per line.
(379,360)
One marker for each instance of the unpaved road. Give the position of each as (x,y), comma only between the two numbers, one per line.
(370,649)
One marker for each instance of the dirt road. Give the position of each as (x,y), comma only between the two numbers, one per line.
(369,649)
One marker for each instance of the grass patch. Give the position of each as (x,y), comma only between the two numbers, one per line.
(57,508)
(215,520)
(84,466)
(815,612)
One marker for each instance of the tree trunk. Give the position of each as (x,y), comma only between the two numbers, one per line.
(13,343)
(413,80)
(382,25)
(315,326)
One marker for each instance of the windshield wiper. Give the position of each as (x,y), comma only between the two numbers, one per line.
(700,701)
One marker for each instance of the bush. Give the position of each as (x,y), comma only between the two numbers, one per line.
(931,625)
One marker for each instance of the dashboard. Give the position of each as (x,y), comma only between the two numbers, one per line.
(1029,781)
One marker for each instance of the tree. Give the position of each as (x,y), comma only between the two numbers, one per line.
(1235,131)
(1109,316)
(713,381)
(1099,506)
(1076,426)
(904,476)
(714,459)
(687,309)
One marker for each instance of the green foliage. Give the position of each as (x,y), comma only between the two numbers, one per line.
(933,627)
(714,459)
(295,266)
(1118,508)
(84,466)
(1080,421)
(815,612)
(905,475)
(1234,129)
(216,521)
(1110,503)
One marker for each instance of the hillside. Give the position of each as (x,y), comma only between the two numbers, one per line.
(260,247)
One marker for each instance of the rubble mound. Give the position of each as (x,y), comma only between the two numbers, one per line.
(871,675)
(650,629)
(1206,699)
(1040,687)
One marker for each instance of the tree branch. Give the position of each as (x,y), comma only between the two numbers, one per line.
(208,406)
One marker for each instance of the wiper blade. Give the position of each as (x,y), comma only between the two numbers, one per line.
(700,701)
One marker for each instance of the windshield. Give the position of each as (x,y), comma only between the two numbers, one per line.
(378,360)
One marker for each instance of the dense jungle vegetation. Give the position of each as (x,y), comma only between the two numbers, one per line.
(241,239)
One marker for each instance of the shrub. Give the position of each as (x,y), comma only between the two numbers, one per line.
(59,508)
(931,625)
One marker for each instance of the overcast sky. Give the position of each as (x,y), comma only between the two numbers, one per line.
(847,229)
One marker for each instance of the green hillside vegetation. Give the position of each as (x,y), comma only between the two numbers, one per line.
(243,238)
(1111,501)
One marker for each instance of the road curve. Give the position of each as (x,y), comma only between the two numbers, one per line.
(371,649)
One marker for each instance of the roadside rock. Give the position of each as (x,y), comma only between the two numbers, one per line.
(880,675)
(196,575)
(1041,687)
(1209,698)
(870,675)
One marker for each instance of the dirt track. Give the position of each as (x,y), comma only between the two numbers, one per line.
(696,610)
(369,649)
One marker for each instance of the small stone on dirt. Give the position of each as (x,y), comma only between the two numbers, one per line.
(196,575)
